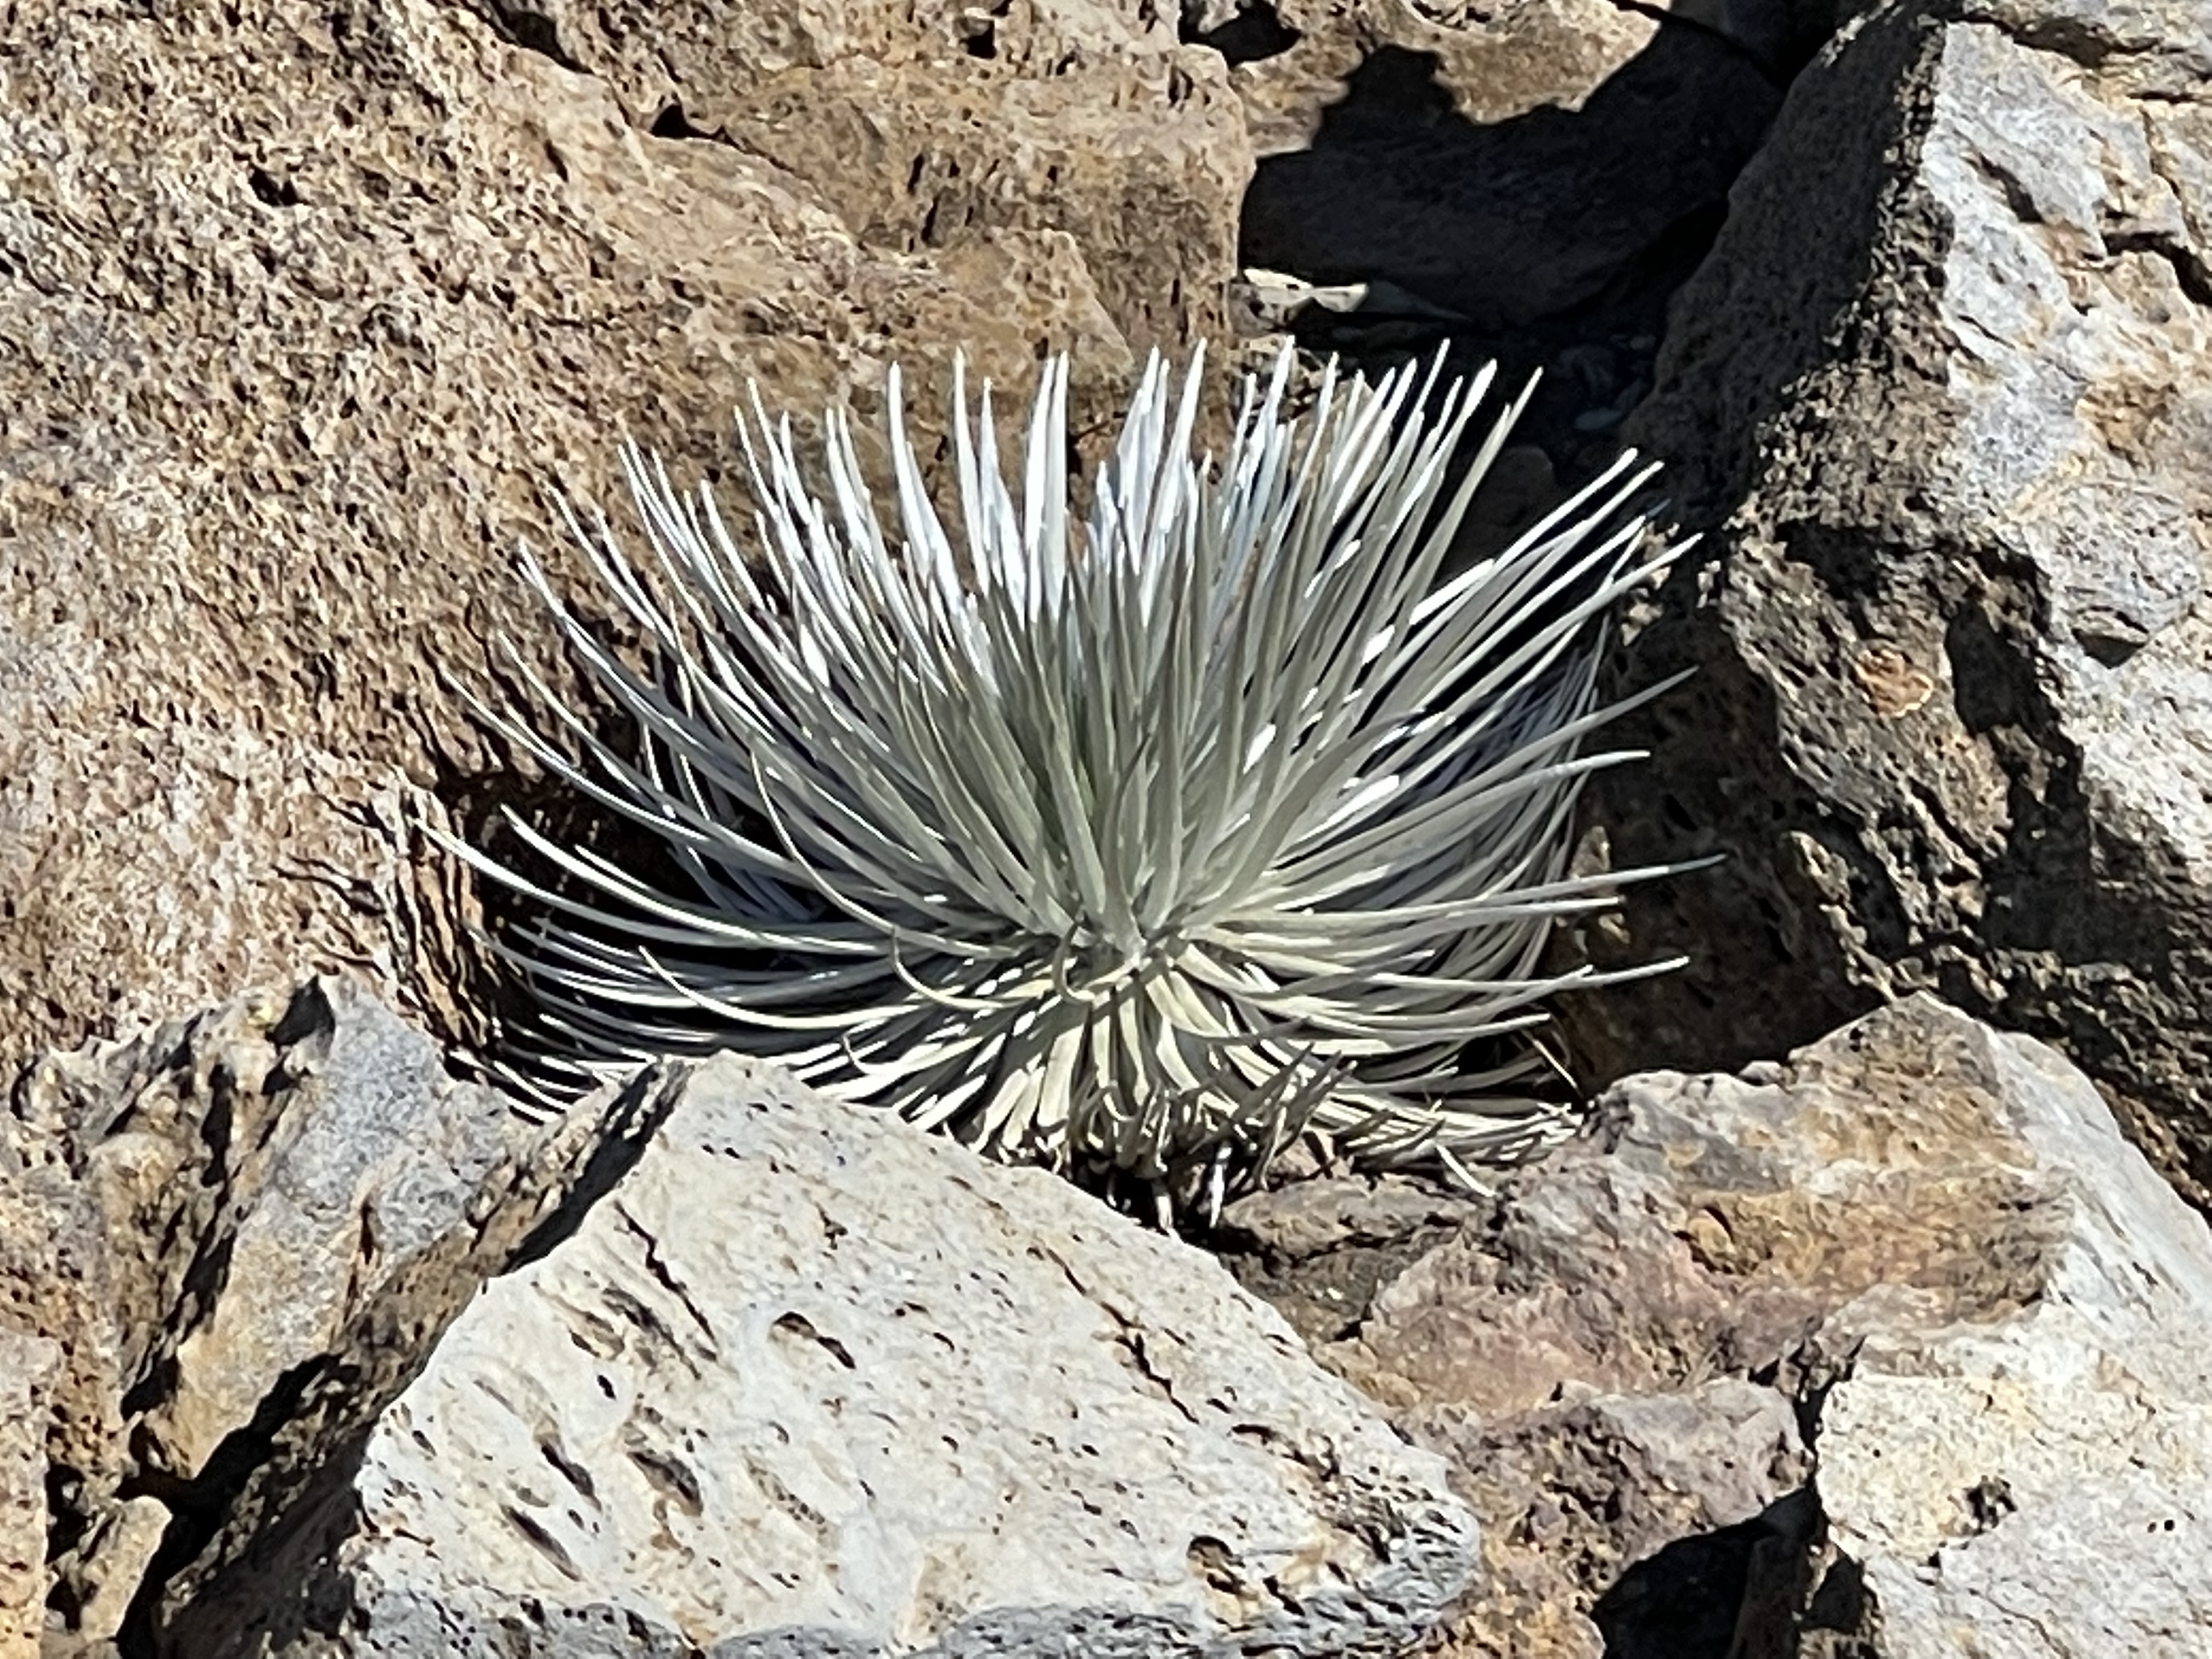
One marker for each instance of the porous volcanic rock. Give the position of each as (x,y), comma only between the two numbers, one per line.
(1943,395)
(809,1382)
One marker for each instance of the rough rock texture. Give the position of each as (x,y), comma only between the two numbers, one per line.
(1318,1248)
(1923,1242)
(304,306)
(29,1365)
(1511,162)
(1945,389)
(937,128)
(2038,1486)
(808,1381)
(1594,1487)
(234,1226)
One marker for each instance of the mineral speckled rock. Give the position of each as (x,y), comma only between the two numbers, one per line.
(937,128)
(2040,1484)
(807,1382)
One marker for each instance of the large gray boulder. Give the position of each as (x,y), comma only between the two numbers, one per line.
(1943,393)
(808,1381)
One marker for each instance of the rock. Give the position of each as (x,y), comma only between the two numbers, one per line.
(1318,1249)
(303,314)
(809,1382)
(1510,163)
(938,128)
(230,1226)
(1309,1216)
(1924,1242)
(2041,1480)
(1599,1484)
(1943,393)
(29,1365)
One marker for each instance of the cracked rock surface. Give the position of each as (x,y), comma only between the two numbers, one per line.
(222,1243)
(1941,395)
(806,1382)
(1891,1352)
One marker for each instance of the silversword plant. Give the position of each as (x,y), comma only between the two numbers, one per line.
(1144,838)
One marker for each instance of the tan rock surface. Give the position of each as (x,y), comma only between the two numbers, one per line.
(302,311)
(936,127)
(1892,1350)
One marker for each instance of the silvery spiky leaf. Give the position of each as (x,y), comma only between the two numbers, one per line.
(1141,839)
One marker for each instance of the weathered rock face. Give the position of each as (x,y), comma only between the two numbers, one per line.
(1319,1248)
(1890,1351)
(304,308)
(27,1367)
(220,1231)
(1945,388)
(934,129)
(1921,1250)
(808,1381)
(2039,1480)
(1596,1486)
(1511,162)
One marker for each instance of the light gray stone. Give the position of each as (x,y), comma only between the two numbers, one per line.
(2041,1487)
(28,1366)
(810,1382)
